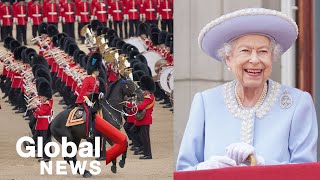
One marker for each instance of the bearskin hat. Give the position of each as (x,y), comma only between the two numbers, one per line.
(110,39)
(111,32)
(137,75)
(142,59)
(100,30)
(36,67)
(30,56)
(61,42)
(119,46)
(147,83)
(162,37)
(141,67)
(76,55)
(80,60)
(43,28)
(60,35)
(169,40)
(94,63)
(142,29)
(105,30)
(72,47)
(39,80)
(13,45)
(55,41)
(43,72)
(154,30)
(38,59)
(124,49)
(133,62)
(95,24)
(154,38)
(133,54)
(131,48)
(52,30)
(114,42)
(67,43)
(44,89)
(17,53)
(7,42)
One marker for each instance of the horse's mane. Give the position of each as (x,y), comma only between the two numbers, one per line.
(111,87)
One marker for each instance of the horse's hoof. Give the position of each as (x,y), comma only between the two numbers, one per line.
(87,174)
(122,163)
(114,169)
(100,159)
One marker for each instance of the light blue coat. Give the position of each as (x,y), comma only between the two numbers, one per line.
(280,134)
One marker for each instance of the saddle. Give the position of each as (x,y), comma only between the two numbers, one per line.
(76,117)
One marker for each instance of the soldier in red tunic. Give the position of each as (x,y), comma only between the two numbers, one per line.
(90,85)
(51,12)
(35,16)
(100,12)
(6,19)
(132,13)
(43,114)
(83,16)
(20,18)
(149,11)
(116,12)
(166,15)
(68,10)
(148,86)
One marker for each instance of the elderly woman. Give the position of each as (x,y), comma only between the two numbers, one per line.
(251,115)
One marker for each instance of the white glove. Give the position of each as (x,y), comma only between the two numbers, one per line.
(110,17)
(77,18)
(60,18)
(63,19)
(44,19)
(29,20)
(240,152)
(158,16)
(216,162)
(15,20)
(126,17)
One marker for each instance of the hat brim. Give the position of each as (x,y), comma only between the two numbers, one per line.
(222,30)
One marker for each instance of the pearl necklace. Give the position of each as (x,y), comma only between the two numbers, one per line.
(260,100)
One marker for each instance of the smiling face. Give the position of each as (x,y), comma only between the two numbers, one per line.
(250,60)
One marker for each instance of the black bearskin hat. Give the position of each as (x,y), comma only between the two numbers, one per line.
(67,43)
(13,45)
(72,47)
(17,54)
(147,83)
(60,35)
(43,28)
(95,24)
(44,89)
(154,38)
(111,32)
(7,42)
(39,80)
(30,56)
(154,30)
(142,67)
(131,48)
(38,59)
(142,59)
(52,30)
(169,40)
(133,54)
(124,49)
(81,60)
(76,55)
(137,75)
(55,41)
(36,67)
(115,41)
(133,62)
(119,46)
(100,30)
(43,72)
(142,29)
(162,37)
(110,39)
(94,63)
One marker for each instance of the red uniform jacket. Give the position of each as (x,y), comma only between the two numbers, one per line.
(149,9)
(83,12)
(116,11)
(20,12)
(166,9)
(43,115)
(132,8)
(101,11)
(89,85)
(68,12)
(35,12)
(6,15)
(111,74)
(51,12)
(30,3)
(148,104)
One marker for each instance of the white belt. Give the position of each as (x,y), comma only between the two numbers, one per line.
(68,13)
(133,10)
(17,77)
(44,116)
(150,9)
(101,12)
(37,15)
(166,9)
(52,13)
(117,11)
(21,15)
(84,13)
(7,16)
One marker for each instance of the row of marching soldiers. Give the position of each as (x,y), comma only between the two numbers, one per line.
(116,13)
(62,66)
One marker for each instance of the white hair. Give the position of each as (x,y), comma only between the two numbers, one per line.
(226,49)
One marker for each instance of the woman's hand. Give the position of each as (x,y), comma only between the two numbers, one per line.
(216,162)
(240,152)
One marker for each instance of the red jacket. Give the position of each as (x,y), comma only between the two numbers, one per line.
(166,9)
(29,4)
(89,85)
(35,12)
(148,104)
(149,9)
(43,115)
(68,12)
(132,9)
(20,12)
(101,11)
(111,73)
(116,10)
(6,15)
(51,12)
(83,12)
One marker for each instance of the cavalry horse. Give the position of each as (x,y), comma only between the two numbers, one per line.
(112,109)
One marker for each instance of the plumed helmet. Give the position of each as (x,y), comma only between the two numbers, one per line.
(94,63)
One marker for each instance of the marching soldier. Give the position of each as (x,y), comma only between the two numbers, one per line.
(20,18)
(148,86)
(101,12)
(132,13)
(6,19)
(83,14)
(149,12)
(116,12)
(68,17)
(35,16)
(51,12)
(166,15)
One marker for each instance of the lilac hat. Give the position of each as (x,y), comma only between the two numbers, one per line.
(271,23)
